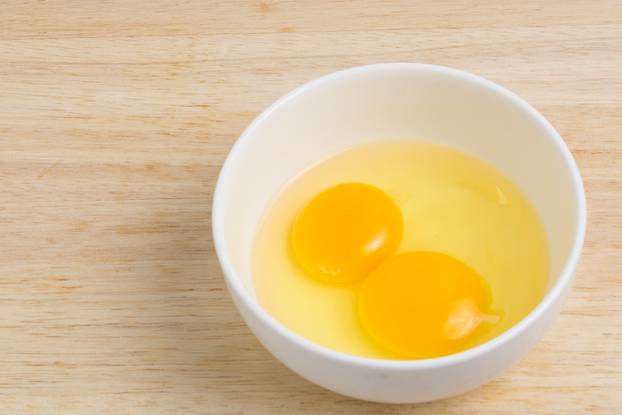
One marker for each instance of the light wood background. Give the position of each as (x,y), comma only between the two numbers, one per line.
(114,120)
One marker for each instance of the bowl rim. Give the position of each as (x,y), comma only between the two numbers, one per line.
(563,281)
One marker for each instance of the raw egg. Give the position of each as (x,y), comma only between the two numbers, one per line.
(423,304)
(343,233)
(350,266)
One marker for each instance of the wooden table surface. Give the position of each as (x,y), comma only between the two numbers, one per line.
(115,118)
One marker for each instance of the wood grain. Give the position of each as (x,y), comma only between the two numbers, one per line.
(114,120)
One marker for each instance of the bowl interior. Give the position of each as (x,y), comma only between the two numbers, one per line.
(398,101)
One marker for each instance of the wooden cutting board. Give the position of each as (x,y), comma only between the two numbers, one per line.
(115,118)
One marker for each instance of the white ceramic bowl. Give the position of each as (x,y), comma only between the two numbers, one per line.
(398,101)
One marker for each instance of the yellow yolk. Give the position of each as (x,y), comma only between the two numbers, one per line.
(423,304)
(346,231)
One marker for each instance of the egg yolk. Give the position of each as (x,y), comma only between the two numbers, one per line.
(346,231)
(423,304)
